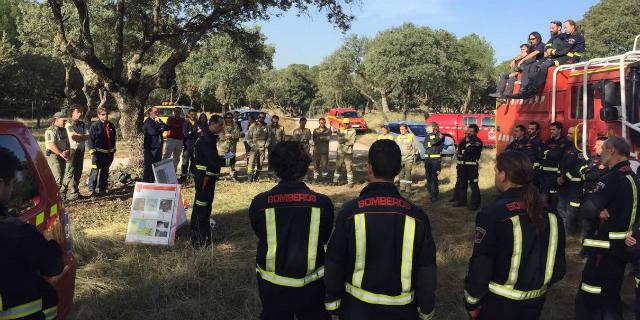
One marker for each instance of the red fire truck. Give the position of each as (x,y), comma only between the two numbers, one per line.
(600,96)
(455,124)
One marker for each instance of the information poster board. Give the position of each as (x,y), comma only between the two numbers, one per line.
(155,214)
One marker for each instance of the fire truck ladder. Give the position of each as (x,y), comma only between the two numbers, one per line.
(621,61)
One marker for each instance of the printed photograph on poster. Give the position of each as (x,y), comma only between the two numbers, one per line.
(166,205)
(154,210)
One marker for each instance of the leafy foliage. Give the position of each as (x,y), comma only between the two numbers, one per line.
(610,27)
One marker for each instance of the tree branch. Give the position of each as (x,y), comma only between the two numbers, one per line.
(118,64)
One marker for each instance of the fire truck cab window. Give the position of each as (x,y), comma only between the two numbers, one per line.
(395,128)
(576,102)
(489,122)
(25,191)
(469,120)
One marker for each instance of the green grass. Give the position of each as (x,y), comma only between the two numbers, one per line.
(124,281)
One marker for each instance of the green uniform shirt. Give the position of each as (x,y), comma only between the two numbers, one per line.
(259,135)
(277,134)
(57,136)
(303,136)
(228,138)
(408,146)
(346,140)
(321,139)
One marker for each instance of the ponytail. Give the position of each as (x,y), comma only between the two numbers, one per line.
(518,170)
(535,208)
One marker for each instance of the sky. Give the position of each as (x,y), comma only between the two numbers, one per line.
(505,24)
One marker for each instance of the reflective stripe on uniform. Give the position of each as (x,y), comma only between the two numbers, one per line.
(211,174)
(105,150)
(433,155)
(272,239)
(596,243)
(361,249)
(553,247)
(374,298)
(572,178)
(53,211)
(426,316)
(637,281)
(574,204)
(517,252)
(332,306)
(39,218)
(201,203)
(51,313)
(22,310)
(514,294)
(549,169)
(407,253)
(617,235)
(314,226)
(471,163)
(590,289)
(290,282)
(201,167)
(635,202)
(470,299)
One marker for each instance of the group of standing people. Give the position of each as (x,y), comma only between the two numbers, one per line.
(598,197)
(66,141)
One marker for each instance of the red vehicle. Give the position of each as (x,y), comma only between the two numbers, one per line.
(336,115)
(455,124)
(36,200)
(600,96)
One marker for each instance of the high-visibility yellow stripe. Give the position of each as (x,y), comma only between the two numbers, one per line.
(54,210)
(314,227)
(39,218)
(407,253)
(596,243)
(332,306)
(574,204)
(550,169)
(1,309)
(22,310)
(590,288)
(517,252)
(375,298)
(635,202)
(290,282)
(433,155)
(201,167)
(617,235)
(553,247)
(509,292)
(469,298)
(201,203)
(637,281)
(426,316)
(361,249)
(272,239)
(50,313)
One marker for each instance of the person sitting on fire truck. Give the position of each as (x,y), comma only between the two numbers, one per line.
(505,83)
(529,64)
(565,48)
(26,256)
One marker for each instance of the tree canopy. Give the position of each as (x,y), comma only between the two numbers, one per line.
(610,27)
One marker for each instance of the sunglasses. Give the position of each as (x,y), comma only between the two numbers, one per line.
(532,39)
(261,117)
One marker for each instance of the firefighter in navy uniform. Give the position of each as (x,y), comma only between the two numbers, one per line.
(534,149)
(552,152)
(614,207)
(102,147)
(293,224)
(380,261)
(520,142)
(25,256)
(595,169)
(469,152)
(208,164)
(570,182)
(433,145)
(519,249)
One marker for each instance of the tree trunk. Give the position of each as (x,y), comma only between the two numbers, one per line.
(131,116)
(384,102)
(467,100)
(88,92)
(104,97)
